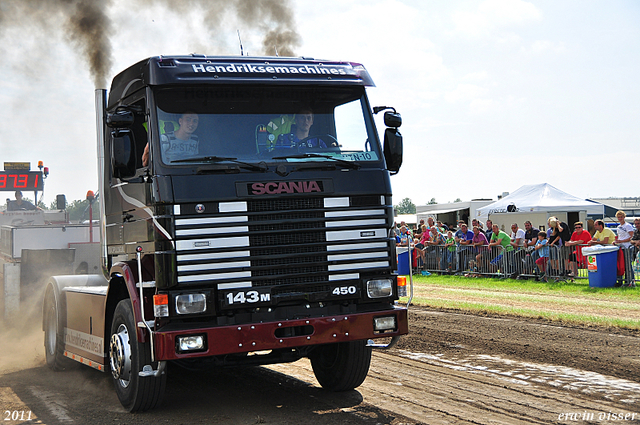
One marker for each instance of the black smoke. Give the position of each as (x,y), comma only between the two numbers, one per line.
(86,24)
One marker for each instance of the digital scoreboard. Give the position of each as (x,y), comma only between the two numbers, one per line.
(21,180)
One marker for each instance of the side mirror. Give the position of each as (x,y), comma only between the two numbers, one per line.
(392,119)
(392,138)
(121,118)
(123,154)
(393,149)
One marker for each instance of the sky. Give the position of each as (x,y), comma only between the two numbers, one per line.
(494,94)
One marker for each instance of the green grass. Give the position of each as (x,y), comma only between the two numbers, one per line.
(571,302)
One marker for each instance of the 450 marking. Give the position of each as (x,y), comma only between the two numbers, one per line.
(345,290)
(251,297)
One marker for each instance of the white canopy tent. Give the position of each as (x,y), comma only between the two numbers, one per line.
(541,198)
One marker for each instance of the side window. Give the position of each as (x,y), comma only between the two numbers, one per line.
(140,129)
(351,131)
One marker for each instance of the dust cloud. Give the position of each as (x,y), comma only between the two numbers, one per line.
(22,338)
(87,26)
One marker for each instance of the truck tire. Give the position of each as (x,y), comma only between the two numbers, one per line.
(127,357)
(53,338)
(342,366)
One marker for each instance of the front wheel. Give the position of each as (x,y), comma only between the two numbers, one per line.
(342,366)
(127,357)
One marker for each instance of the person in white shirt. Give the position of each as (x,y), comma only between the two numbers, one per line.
(624,231)
(517,236)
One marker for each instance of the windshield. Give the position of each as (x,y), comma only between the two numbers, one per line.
(257,124)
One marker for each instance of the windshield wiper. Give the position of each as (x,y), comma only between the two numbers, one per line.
(261,166)
(348,164)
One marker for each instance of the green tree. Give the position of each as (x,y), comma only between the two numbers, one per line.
(79,210)
(405,207)
(458,200)
(432,201)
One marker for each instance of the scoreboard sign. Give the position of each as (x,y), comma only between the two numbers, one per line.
(23,166)
(21,180)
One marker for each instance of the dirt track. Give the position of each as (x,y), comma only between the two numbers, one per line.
(452,369)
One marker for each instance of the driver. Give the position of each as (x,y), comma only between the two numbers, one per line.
(299,136)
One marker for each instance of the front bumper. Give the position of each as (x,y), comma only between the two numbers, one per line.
(265,336)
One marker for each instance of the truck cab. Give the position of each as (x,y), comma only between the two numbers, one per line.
(246,219)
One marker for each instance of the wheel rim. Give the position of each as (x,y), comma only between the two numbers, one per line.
(120,355)
(52,330)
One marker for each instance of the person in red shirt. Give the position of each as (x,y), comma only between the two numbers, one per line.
(579,238)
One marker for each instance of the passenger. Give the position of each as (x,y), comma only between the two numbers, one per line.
(603,235)
(180,144)
(20,204)
(579,238)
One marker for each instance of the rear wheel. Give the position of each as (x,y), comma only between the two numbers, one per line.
(342,366)
(53,338)
(127,357)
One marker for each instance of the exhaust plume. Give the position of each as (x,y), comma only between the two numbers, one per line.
(87,25)
(84,23)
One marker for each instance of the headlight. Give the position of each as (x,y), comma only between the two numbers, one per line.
(191,343)
(191,303)
(379,288)
(387,323)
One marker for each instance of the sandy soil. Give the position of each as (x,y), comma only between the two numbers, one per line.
(452,369)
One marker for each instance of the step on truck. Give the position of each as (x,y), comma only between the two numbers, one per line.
(246,219)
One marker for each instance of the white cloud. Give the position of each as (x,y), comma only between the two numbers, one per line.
(542,46)
(491,15)
(480,106)
(476,76)
(465,93)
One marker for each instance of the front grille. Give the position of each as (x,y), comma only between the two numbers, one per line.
(287,204)
(286,239)
(284,242)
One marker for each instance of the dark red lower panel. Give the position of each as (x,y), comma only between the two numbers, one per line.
(262,336)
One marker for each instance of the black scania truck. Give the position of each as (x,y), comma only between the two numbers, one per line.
(246,219)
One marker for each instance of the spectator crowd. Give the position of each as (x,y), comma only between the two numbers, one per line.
(485,248)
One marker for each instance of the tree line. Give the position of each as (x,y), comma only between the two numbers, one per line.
(78,210)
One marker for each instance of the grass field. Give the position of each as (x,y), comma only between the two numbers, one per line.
(573,302)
